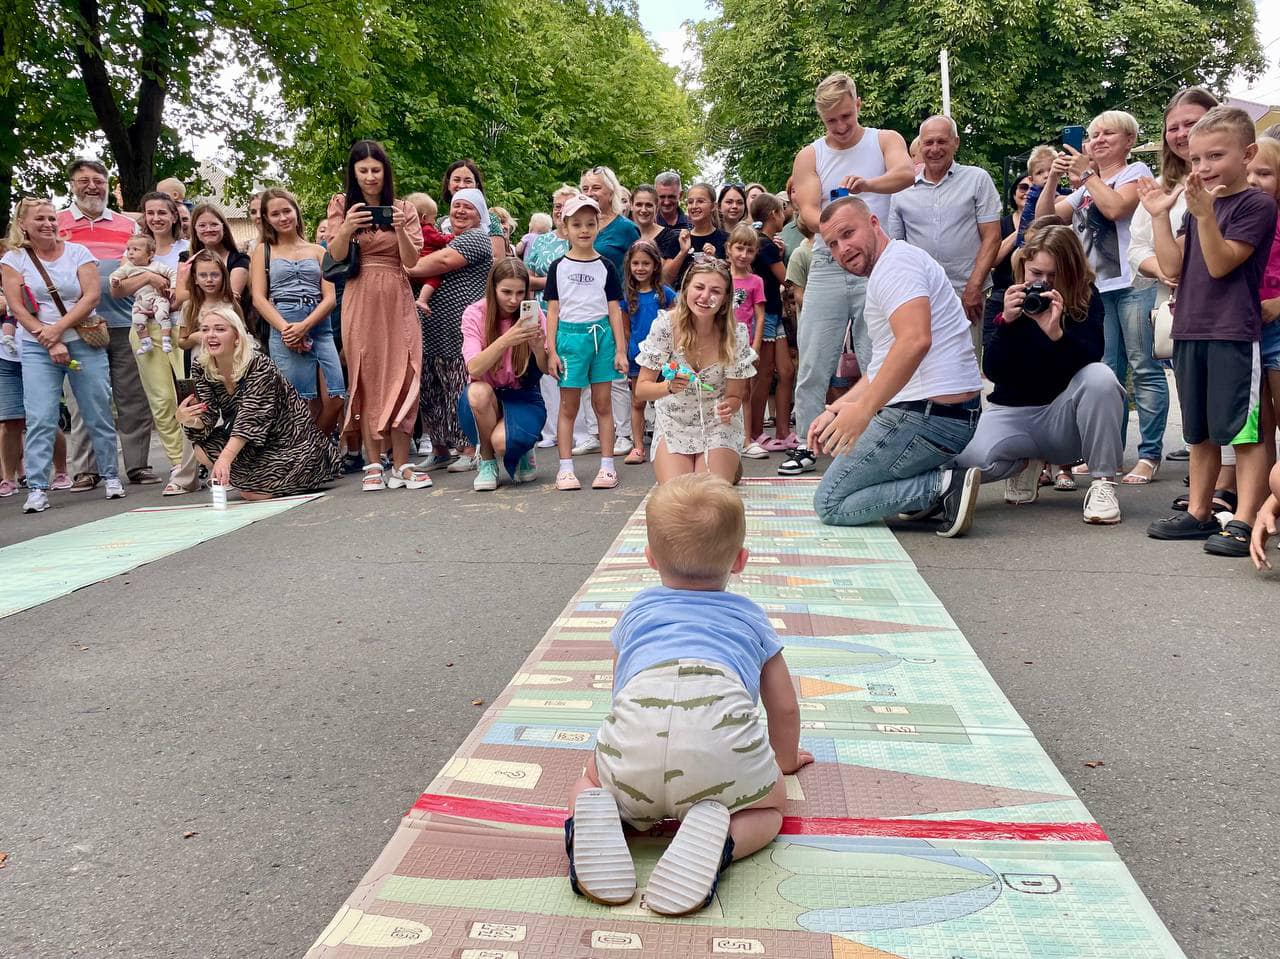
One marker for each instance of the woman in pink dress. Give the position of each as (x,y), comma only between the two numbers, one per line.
(380,333)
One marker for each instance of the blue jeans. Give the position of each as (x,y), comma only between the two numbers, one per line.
(895,466)
(41,395)
(833,298)
(300,368)
(1128,338)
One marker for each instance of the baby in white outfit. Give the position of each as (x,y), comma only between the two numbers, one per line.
(149,304)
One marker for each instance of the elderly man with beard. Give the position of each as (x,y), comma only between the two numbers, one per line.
(87,221)
(896,434)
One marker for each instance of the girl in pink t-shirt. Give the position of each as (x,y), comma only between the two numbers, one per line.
(748,309)
(1264,174)
(504,345)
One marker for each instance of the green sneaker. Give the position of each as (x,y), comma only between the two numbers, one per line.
(527,470)
(486,476)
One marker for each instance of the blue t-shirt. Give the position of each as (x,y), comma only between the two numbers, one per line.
(646,312)
(614,240)
(664,624)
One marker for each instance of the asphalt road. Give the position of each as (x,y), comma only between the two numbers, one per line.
(284,693)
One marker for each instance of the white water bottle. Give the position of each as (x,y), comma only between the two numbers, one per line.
(219,495)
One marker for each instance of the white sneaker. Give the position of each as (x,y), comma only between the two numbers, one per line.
(464,464)
(37,502)
(1101,506)
(424,447)
(546,444)
(754,451)
(621,445)
(114,489)
(1022,488)
(590,445)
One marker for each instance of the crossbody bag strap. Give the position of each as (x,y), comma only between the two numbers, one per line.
(44,275)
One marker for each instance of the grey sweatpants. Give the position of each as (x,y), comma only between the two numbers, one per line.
(1082,423)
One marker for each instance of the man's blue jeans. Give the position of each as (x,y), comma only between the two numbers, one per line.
(895,466)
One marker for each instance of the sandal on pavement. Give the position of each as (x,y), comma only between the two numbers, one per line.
(1224,500)
(408,476)
(1080,469)
(1064,482)
(636,457)
(605,479)
(1143,472)
(774,444)
(173,489)
(373,479)
(685,878)
(1231,540)
(567,480)
(600,865)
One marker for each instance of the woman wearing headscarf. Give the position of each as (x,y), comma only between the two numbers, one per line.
(463,267)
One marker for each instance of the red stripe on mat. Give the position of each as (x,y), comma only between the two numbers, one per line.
(521,815)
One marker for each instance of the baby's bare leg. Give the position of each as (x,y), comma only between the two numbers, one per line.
(757,825)
(590,779)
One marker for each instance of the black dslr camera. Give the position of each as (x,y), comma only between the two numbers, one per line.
(1036,302)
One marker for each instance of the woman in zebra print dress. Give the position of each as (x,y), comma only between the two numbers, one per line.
(247,423)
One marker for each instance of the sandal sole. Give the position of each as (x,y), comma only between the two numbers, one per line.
(684,876)
(606,873)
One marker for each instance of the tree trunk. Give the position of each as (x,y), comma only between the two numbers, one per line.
(134,146)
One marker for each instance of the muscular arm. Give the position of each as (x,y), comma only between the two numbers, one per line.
(807,188)
(899,171)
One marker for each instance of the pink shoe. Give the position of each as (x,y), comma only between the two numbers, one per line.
(605,479)
(773,444)
(60,481)
(567,480)
(8,487)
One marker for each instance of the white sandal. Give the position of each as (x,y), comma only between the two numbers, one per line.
(408,476)
(373,479)
(1134,478)
(685,878)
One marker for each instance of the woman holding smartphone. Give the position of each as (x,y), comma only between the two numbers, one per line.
(505,349)
(380,333)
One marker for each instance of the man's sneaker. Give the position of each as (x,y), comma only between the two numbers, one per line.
(1021,489)
(799,460)
(621,445)
(1101,507)
(1183,526)
(437,462)
(424,446)
(113,488)
(590,445)
(526,469)
(959,497)
(486,480)
(754,451)
(464,463)
(84,482)
(37,502)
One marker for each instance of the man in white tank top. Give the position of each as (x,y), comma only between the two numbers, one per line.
(871,164)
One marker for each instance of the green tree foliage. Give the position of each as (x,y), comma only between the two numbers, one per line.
(534,91)
(1020,69)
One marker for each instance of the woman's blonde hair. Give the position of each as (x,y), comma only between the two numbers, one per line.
(17,240)
(683,331)
(245,346)
(611,181)
(508,268)
(743,235)
(1073,276)
(266,232)
(1119,119)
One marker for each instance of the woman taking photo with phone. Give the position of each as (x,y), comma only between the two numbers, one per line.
(1054,400)
(380,237)
(505,348)
(249,426)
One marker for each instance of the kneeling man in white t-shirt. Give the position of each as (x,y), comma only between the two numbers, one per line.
(895,435)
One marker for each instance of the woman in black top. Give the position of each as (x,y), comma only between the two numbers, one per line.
(1002,272)
(210,230)
(703,240)
(1054,398)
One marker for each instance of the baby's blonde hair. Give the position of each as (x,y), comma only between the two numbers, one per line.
(1040,154)
(172,185)
(696,526)
(424,204)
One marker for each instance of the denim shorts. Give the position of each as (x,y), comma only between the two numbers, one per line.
(771,322)
(1271,345)
(586,349)
(11,407)
(300,368)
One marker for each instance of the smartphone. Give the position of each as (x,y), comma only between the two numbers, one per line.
(186,388)
(381,215)
(528,312)
(1073,137)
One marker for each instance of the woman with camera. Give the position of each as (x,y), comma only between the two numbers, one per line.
(504,345)
(1054,399)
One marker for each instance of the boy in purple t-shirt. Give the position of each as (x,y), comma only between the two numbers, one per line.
(1219,255)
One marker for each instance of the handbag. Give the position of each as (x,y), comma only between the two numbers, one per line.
(1162,330)
(92,330)
(847,366)
(337,271)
